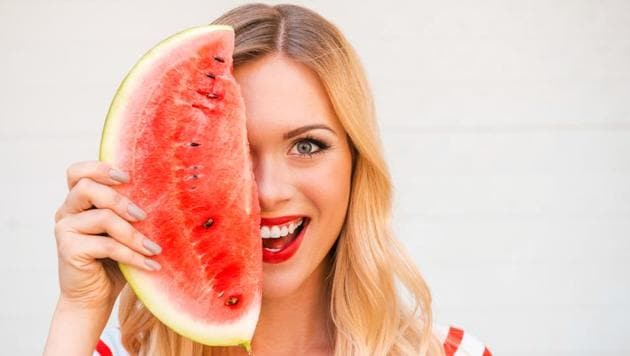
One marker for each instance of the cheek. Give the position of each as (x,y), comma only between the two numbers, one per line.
(327,186)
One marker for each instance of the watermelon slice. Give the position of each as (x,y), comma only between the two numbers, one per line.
(177,125)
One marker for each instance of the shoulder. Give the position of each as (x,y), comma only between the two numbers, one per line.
(109,343)
(458,342)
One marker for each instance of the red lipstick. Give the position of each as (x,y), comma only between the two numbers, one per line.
(279,220)
(289,250)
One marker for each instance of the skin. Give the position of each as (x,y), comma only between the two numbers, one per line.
(280,95)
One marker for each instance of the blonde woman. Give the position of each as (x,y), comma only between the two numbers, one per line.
(317,158)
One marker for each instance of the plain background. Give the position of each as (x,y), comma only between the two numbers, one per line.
(506,125)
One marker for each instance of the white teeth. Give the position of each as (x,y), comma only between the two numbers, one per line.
(275,232)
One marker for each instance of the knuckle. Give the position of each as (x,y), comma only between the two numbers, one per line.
(59,214)
(110,247)
(72,169)
(102,167)
(65,246)
(138,260)
(121,253)
(136,237)
(119,200)
(130,256)
(69,170)
(59,229)
(105,216)
(83,184)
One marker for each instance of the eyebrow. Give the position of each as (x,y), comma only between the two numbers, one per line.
(303,129)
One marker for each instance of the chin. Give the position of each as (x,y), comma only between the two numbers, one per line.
(278,284)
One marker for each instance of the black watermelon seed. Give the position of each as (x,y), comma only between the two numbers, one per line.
(210,75)
(194,176)
(208,223)
(231,301)
(200,107)
(219,59)
(194,144)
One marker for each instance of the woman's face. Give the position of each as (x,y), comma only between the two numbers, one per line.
(302,164)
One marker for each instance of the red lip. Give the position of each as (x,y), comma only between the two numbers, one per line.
(288,252)
(279,220)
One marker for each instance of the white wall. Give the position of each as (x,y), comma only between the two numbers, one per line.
(506,125)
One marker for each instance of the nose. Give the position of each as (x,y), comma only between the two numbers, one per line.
(274,183)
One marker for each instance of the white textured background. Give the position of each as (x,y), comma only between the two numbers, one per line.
(506,124)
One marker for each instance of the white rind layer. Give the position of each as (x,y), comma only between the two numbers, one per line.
(239,332)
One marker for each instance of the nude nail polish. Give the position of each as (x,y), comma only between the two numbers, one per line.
(136,212)
(151,246)
(118,175)
(154,266)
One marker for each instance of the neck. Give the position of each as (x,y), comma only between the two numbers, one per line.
(298,323)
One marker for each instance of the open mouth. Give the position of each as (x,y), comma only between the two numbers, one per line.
(279,241)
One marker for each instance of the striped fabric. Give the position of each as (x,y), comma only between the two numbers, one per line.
(102,349)
(456,342)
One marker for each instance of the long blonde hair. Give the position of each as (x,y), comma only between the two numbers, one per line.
(370,317)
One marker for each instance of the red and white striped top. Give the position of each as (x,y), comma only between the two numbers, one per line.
(456,342)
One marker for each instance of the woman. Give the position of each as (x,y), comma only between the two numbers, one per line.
(314,141)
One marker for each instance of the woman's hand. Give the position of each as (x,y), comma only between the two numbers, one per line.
(93,230)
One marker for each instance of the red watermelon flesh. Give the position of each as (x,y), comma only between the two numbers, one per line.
(177,125)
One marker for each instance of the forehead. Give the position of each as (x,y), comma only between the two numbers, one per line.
(281,94)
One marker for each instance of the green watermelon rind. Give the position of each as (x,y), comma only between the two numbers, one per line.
(209,333)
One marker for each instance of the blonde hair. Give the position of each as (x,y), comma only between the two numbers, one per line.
(369,315)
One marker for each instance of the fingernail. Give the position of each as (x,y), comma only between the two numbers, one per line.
(119,176)
(151,246)
(136,212)
(154,266)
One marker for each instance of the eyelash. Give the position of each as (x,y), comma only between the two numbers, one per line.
(320,144)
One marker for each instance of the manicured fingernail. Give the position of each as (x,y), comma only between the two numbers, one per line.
(118,175)
(136,212)
(151,246)
(154,266)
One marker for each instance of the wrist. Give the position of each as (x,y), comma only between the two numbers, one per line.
(68,305)
(75,328)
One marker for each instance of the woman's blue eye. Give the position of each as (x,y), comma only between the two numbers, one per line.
(304,147)
(309,146)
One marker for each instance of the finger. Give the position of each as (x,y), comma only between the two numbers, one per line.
(88,193)
(97,221)
(98,171)
(84,249)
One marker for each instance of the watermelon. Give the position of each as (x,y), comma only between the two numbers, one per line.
(177,125)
